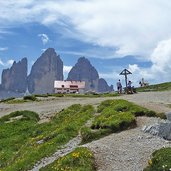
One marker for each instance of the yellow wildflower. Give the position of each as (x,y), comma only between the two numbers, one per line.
(75,155)
(150,162)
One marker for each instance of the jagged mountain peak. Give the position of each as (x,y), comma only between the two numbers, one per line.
(47,68)
(84,71)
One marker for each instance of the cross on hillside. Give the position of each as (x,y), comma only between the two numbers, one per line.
(125,72)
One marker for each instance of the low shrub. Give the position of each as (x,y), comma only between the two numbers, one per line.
(26,115)
(125,106)
(80,159)
(161,115)
(41,95)
(115,121)
(161,160)
(32,98)
(56,95)
(89,135)
(7,100)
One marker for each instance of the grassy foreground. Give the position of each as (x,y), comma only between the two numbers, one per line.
(23,141)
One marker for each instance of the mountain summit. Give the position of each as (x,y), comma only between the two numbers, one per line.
(47,69)
(84,71)
(15,78)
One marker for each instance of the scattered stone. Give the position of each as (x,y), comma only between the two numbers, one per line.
(40,142)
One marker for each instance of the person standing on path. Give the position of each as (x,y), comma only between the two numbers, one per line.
(129,86)
(119,87)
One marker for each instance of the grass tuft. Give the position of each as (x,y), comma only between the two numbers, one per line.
(114,116)
(80,159)
(161,160)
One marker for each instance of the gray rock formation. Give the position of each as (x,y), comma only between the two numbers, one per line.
(15,78)
(84,71)
(103,86)
(47,69)
(168,115)
(162,129)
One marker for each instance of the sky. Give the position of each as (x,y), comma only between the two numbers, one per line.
(112,34)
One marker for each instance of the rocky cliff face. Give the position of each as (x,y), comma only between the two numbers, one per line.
(44,72)
(84,71)
(103,86)
(15,78)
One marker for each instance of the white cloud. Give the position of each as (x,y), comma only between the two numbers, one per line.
(133,68)
(1,62)
(134,27)
(43,50)
(7,63)
(44,38)
(3,48)
(161,59)
(160,70)
(66,69)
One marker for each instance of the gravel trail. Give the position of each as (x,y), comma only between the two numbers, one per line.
(46,108)
(128,150)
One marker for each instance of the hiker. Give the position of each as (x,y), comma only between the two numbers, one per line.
(119,87)
(129,87)
(140,83)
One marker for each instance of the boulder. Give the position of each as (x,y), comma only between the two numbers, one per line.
(162,129)
(168,115)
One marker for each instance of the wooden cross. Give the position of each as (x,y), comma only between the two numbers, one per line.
(125,72)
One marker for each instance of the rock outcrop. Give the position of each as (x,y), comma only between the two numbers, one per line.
(47,69)
(84,71)
(103,86)
(15,78)
(161,129)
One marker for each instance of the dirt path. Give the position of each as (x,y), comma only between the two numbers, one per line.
(128,150)
(46,108)
(157,101)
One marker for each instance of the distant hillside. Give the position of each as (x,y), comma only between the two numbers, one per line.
(156,87)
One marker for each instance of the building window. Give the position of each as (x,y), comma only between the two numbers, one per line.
(63,86)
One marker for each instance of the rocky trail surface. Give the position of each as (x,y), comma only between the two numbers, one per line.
(128,150)
(47,107)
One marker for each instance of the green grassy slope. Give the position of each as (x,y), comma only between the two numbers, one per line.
(156,87)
